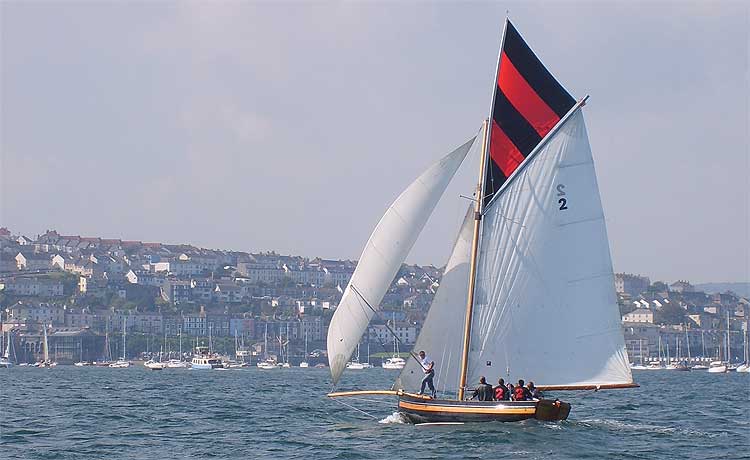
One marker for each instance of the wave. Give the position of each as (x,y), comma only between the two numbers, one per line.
(618,425)
(395,417)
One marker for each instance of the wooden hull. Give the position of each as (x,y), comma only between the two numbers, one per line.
(419,410)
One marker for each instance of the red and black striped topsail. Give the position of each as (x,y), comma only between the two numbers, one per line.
(528,104)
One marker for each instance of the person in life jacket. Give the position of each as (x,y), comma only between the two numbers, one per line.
(501,391)
(520,392)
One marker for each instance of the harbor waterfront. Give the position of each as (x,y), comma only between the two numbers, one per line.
(70,413)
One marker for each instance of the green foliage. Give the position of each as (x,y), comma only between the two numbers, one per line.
(671,314)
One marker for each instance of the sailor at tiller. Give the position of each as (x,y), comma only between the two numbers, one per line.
(429,373)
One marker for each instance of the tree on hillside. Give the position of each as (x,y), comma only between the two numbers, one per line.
(671,313)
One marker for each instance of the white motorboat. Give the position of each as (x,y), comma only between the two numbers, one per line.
(177,364)
(267,364)
(395,363)
(717,367)
(700,367)
(304,364)
(155,365)
(354,365)
(120,363)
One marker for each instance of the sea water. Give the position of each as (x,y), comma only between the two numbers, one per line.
(72,413)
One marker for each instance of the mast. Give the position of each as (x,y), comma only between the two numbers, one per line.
(473,262)
(124,323)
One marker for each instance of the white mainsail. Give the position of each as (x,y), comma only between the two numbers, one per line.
(545,307)
(383,255)
(447,315)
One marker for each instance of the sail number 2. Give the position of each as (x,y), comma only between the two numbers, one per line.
(563,202)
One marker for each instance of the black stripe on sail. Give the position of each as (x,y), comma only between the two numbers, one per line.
(537,76)
(493,181)
(515,126)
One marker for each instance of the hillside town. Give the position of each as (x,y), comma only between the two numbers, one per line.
(85,292)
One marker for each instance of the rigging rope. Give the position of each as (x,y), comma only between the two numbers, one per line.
(413,355)
(355,408)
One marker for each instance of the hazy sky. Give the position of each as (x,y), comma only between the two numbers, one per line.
(293,125)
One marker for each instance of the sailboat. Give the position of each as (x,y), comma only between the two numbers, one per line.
(700,366)
(355,364)
(5,361)
(304,363)
(745,366)
(268,363)
(122,362)
(81,362)
(178,363)
(45,344)
(531,263)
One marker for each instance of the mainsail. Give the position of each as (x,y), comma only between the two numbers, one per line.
(383,255)
(546,309)
(445,317)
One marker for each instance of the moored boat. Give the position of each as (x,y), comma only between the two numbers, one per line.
(203,359)
(717,367)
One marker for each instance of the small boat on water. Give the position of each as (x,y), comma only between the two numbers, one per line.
(122,362)
(717,367)
(155,365)
(177,364)
(267,364)
(699,367)
(203,359)
(533,247)
(394,363)
(45,344)
(5,361)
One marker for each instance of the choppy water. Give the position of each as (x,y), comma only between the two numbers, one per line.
(68,412)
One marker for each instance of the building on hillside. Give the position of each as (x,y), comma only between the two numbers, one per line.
(641,315)
(632,285)
(176,291)
(33,286)
(39,313)
(33,261)
(681,287)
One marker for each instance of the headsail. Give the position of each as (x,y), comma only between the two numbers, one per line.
(445,317)
(546,309)
(527,103)
(383,255)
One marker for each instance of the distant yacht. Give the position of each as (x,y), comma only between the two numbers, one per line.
(122,362)
(5,359)
(304,364)
(717,367)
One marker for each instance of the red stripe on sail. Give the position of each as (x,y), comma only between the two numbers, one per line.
(503,152)
(523,97)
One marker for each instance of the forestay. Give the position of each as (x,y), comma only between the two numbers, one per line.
(383,255)
(439,336)
(546,308)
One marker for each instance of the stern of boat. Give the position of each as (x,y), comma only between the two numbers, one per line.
(551,411)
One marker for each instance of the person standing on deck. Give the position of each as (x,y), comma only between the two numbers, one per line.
(428,365)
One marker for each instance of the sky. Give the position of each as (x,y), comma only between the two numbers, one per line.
(291,126)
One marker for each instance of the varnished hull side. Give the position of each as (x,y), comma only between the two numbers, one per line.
(437,411)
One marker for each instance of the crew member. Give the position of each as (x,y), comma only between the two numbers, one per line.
(484,391)
(501,391)
(428,365)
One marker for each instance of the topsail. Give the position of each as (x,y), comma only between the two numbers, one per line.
(383,255)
